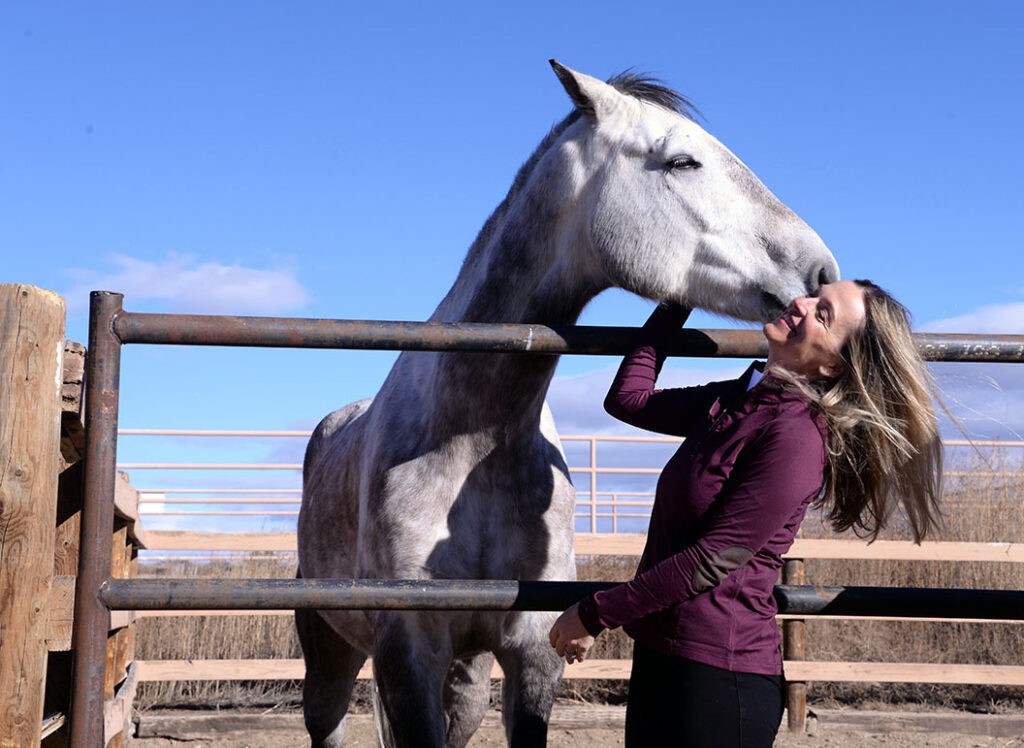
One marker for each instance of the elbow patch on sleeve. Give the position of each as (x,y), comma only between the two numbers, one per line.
(718,566)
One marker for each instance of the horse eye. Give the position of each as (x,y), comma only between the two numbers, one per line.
(683,162)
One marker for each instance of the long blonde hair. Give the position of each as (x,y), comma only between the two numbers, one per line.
(884,446)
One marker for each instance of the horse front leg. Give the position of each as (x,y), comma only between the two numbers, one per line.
(532,674)
(467,696)
(410,661)
(332,666)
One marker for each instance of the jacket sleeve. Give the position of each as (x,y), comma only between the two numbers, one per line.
(779,473)
(633,398)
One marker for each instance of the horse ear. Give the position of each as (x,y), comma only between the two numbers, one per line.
(591,96)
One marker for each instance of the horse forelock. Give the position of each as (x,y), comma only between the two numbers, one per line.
(651,90)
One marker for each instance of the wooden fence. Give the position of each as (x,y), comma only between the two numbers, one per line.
(41,450)
(609,508)
(800,665)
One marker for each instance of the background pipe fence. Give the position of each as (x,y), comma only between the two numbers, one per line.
(111,327)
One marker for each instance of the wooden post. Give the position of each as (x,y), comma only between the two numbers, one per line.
(31,351)
(794,632)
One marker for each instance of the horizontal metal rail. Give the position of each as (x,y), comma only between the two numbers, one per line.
(342,594)
(900,602)
(293,466)
(287,332)
(412,594)
(600,438)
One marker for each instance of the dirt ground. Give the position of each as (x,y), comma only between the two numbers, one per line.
(593,727)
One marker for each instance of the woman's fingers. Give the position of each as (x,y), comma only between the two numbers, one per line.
(574,651)
(565,637)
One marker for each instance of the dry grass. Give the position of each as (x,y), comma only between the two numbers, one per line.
(978,509)
(218,637)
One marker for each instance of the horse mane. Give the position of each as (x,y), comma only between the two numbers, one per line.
(628,82)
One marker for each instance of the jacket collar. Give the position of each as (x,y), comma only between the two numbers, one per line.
(771,388)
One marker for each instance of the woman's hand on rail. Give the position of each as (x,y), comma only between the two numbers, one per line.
(569,637)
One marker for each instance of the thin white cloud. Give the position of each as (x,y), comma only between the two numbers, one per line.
(987,400)
(994,319)
(184,284)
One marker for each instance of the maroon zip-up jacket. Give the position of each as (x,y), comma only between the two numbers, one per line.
(727,506)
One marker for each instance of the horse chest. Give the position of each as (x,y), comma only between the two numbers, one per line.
(498,515)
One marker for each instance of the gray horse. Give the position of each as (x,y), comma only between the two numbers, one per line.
(454,470)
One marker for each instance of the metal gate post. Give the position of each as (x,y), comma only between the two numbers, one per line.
(92,617)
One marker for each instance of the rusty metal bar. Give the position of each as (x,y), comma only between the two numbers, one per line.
(92,617)
(343,594)
(435,594)
(285,332)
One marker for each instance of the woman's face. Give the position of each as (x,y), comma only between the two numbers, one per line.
(808,336)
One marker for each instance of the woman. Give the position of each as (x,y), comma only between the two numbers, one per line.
(839,417)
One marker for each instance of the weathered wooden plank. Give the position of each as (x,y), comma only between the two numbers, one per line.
(72,437)
(876,672)
(65,547)
(158,670)
(840,721)
(31,354)
(117,712)
(632,545)
(178,540)
(120,619)
(906,672)
(118,567)
(118,646)
(126,507)
(218,727)
(72,377)
(604,544)
(905,550)
(60,614)
(52,723)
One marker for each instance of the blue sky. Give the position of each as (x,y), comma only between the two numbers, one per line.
(323,159)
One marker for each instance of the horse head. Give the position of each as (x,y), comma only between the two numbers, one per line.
(669,213)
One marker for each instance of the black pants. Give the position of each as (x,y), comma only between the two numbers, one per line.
(678,702)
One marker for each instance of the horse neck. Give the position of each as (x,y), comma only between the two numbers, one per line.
(515,273)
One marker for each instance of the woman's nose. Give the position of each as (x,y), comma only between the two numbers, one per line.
(802,304)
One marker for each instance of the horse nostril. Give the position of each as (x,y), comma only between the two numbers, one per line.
(828,274)
(824,275)
(772,304)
